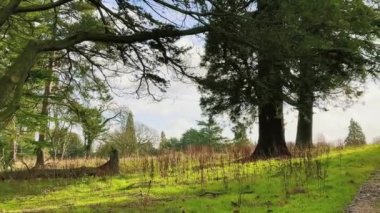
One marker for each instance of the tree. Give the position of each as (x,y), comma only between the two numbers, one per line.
(245,78)
(209,134)
(169,144)
(138,39)
(310,63)
(355,135)
(211,131)
(334,53)
(146,137)
(65,144)
(92,122)
(130,138)
(130,135)
(192,137)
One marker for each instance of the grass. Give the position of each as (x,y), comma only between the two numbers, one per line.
(319,184)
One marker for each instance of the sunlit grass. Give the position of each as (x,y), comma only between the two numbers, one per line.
(320,184)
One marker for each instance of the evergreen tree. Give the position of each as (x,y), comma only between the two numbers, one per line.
(315,57)
(211,131)
(130,135)
(355,134)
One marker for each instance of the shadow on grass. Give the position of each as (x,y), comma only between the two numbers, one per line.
(16,189)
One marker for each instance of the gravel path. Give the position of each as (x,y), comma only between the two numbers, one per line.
(368,198)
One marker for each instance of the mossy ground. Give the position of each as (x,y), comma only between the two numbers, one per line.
(321,184)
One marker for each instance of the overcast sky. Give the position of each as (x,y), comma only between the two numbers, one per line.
(180,110)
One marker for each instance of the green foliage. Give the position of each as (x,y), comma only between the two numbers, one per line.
(131,139)
(305,46)
(355,136)
(6,159)
(209,134)
(74,146)
(130,135)
(92,122)
(65,144)
(169,144)
(193,137)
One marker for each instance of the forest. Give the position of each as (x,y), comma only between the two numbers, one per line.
(68,145)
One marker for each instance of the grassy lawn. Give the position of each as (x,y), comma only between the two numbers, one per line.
(318,184)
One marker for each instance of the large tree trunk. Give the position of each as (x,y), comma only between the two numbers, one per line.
(271,141)
(304,138)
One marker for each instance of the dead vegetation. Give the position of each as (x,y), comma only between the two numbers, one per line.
(111,167)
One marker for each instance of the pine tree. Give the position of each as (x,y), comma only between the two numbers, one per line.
(130,134)
(355,135)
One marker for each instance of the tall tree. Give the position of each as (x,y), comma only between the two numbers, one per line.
(333,55)
(245,78)
(309,64)
(130,135)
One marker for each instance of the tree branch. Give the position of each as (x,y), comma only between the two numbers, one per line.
(8,10)
(117,39)
(16,75)
(41,7)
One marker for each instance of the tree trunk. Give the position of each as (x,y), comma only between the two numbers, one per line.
(271,141)
(14,152)
(112,165)
(269,86)
(45,113)
(304,138)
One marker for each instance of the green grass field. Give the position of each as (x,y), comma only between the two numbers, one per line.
(319,184)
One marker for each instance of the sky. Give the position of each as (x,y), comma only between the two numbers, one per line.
(179,110)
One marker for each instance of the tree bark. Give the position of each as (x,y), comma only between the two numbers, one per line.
(45,114)
(304,137)
(271,141)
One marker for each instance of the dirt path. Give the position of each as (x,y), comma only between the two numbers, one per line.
(368,198)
